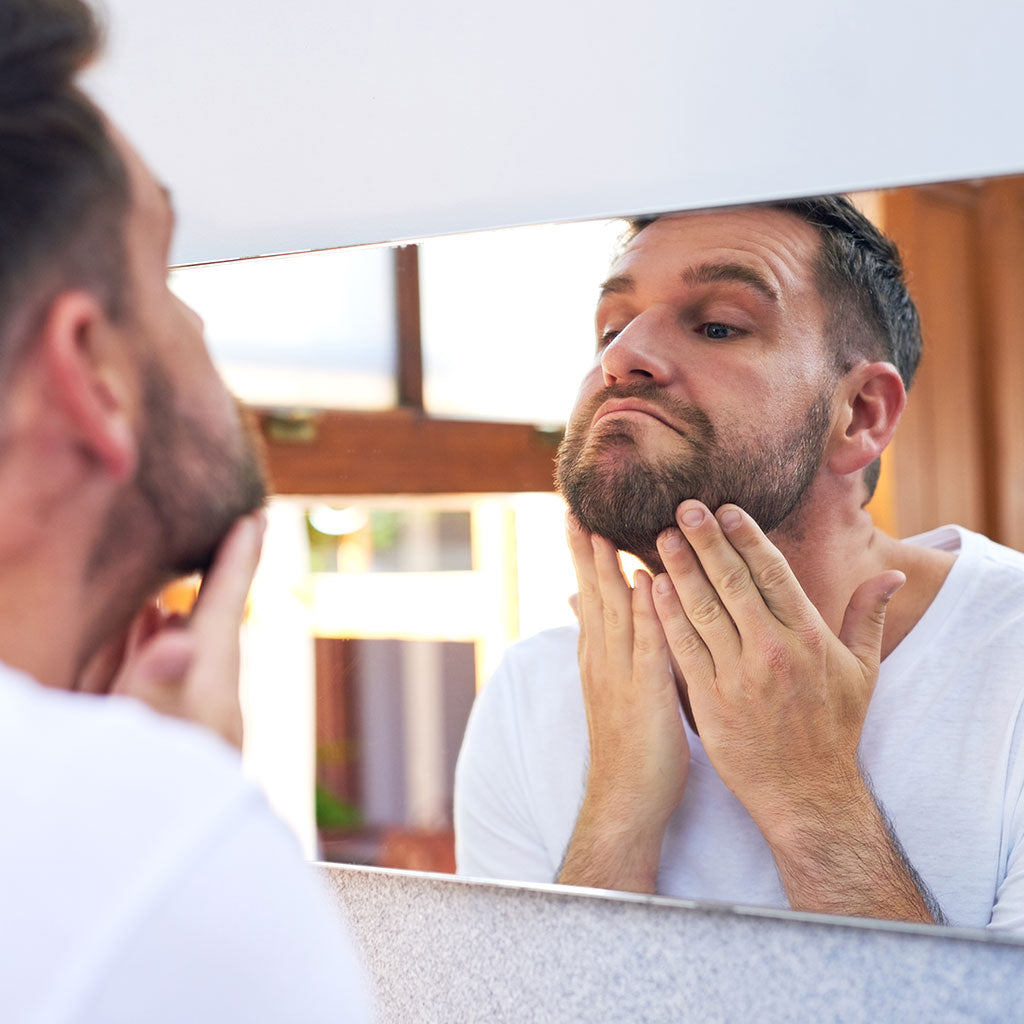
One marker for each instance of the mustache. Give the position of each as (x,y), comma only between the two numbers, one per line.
(674,409)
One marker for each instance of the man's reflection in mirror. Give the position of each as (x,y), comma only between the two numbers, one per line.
(790,708)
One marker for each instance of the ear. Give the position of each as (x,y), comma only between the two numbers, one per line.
(872,400)
(90,380)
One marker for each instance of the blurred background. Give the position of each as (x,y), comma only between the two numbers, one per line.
(412,398)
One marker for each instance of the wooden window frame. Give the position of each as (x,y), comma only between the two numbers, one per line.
(404,450)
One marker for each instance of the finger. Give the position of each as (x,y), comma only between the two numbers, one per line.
(701,601)
(616,605)
(725,568)
(225,587)
(158,674)
(771,573)
(690,652)
(864,620)
(588,597)
(650,647)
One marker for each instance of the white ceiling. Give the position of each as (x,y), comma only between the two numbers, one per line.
(313,124)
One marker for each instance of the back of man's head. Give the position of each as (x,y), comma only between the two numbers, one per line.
(63,187)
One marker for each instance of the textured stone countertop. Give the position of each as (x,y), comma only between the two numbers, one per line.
(452,950)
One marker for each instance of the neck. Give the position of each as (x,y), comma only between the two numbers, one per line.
(832,552)
(56,608)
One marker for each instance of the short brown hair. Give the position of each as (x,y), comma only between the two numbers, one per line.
(64,192)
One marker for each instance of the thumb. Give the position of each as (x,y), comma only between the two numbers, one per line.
(864,620)
(158,672)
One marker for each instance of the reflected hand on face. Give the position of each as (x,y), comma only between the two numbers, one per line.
(639,758)
(778,699)
(188,668)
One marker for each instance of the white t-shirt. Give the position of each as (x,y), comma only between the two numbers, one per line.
(143,879)
(941,745)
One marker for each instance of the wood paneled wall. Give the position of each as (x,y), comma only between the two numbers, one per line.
(958,455)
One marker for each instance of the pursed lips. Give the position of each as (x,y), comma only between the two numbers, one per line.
(632,405)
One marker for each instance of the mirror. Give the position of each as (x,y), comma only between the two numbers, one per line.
(413,597)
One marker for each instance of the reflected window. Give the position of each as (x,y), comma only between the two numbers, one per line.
(314,330)
(508,319)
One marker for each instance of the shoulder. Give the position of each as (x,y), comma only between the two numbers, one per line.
(542,668)
(533,694)
(551,648)
(110,749)
(972,633)
(139,842)
(986,580)
(123,790)
(971,548)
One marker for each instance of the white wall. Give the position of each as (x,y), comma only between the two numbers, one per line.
(316,123)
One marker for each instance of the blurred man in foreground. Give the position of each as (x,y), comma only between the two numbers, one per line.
(755,721)
(144,880)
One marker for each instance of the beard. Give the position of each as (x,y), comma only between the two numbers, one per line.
(190,486)
(616,490)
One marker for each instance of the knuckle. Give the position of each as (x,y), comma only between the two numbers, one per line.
(612,618)
(686,644)
(774,575)
(811,638)
(777,658)
(705,612)
(644,644)
(735,582)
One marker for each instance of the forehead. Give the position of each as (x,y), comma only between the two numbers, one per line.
(778,245)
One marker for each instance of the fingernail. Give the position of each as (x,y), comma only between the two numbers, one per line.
(730,519)
(693,517)
(662,584)
(671,540)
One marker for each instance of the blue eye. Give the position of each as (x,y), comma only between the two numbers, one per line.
(717,332)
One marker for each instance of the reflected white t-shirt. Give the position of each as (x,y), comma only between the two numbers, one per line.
(143,879)
(942,745)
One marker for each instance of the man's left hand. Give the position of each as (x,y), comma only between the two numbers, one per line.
(779,700)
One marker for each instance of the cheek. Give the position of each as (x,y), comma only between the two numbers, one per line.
(592,382)
(589,386)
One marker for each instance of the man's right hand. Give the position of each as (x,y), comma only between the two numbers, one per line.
(188,667)
(639,756)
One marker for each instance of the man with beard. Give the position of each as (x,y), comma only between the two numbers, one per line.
(716,730)
(144,878)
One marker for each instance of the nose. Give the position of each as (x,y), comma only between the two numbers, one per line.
(640,351)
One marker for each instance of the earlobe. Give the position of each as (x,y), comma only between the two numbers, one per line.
(873,406)
(89,382)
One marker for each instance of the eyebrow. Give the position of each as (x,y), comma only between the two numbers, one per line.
(706,273)
(712,273)
(622,284)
